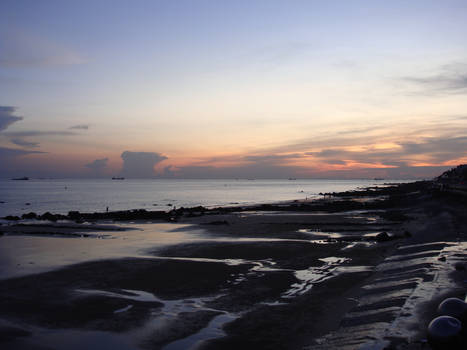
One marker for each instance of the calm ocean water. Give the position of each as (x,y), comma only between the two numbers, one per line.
(89,195)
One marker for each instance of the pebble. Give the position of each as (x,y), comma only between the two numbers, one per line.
(444,333)
(453,307)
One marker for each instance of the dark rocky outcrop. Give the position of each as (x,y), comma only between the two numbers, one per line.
(30,215)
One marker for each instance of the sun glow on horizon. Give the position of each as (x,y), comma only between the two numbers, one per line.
(224,92)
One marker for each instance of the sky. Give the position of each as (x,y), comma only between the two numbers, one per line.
(232,89)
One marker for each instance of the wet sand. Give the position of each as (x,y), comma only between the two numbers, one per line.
(301,275)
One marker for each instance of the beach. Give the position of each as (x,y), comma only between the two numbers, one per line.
(357,269)
(220,175)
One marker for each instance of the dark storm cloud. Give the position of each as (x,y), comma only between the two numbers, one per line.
(24,143)
(97,164)
(140,164)
(80,127)
(7,117)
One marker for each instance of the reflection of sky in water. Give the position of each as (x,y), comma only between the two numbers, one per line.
(212,331)
(320,234)
(332,267)
(72,339)
(26,254)
(23,254)
(169,313)
(313,275)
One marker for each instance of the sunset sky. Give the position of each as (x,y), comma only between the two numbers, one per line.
(232,89)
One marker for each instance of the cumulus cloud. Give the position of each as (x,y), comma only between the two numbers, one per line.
(168,172)
(140,164)
(7,117)
(80,127)
(97,164)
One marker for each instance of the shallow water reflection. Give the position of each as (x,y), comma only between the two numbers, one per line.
(27,254)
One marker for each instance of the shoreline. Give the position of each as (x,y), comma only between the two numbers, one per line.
(96,196)
(174,213)
(373,295)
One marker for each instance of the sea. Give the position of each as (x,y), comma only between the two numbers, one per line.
(97,195)
(23,254)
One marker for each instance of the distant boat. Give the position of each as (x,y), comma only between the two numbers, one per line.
(292,178)
(378,178)
(21,178)
(118,178)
